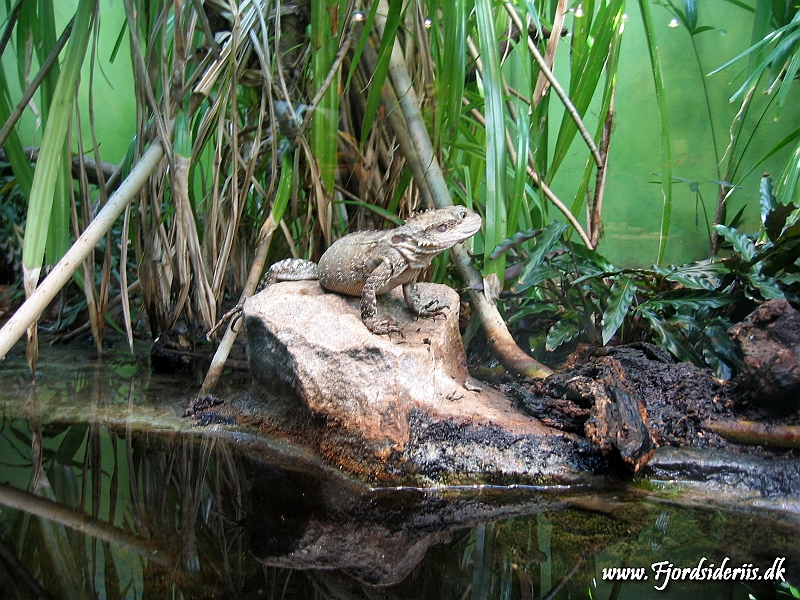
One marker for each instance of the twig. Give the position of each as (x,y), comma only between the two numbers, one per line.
(542,82)
(595,222)
(108,169)
(570,108)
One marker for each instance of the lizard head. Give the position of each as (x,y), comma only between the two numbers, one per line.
(434,231)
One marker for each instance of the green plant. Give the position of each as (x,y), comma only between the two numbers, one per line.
(684,309)
(766,265)
(580,296)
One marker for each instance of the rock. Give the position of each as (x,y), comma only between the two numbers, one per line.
(383,406)
(769,341)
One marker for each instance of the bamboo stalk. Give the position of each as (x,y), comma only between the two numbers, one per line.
(30,310)
(500,340)
(58,513)
(756,434)
(224,349)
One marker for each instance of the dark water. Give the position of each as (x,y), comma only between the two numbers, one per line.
(108,493)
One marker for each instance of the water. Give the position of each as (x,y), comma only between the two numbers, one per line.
(109,493)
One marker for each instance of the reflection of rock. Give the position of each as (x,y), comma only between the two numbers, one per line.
(769,339)
(378,405)
(302,520)
(312,520)
(769,481)
(349,538)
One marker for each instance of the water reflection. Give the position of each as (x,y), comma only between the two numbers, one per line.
(95,511)
(106,492)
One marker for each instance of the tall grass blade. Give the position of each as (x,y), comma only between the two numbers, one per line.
(493,91)
(57,239)
(20,164)
(588,64)
(787,190)
(393,20)
(51,156)
(451,70)
(325,123)
(666,140)
(605,112)
(761,25)
(518,214)
(363,40)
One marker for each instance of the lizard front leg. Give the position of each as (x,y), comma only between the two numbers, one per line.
(422,307)
(369,300)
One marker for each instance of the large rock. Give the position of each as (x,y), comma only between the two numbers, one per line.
(769,340)
(380,405)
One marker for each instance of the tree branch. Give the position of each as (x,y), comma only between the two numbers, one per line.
(500,340)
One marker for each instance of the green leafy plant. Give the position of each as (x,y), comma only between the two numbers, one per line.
(685,309)
(580,296)
(766,265)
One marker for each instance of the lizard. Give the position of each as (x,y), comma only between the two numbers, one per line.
(371,263)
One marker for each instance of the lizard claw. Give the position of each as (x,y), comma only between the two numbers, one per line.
(383,327)
(433,308)
(232,315)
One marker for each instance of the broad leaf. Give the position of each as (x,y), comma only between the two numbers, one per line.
(550,235)
(767,286)
(776,220)
(563,331)
(515,240)
(622,295)
(718,350)
(702,275)
(535,308)
(685,301)
(766,198)
(670,338)
(741,243)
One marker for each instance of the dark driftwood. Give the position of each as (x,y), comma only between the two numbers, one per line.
(617,422)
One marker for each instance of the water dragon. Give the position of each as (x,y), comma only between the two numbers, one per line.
(367,264)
